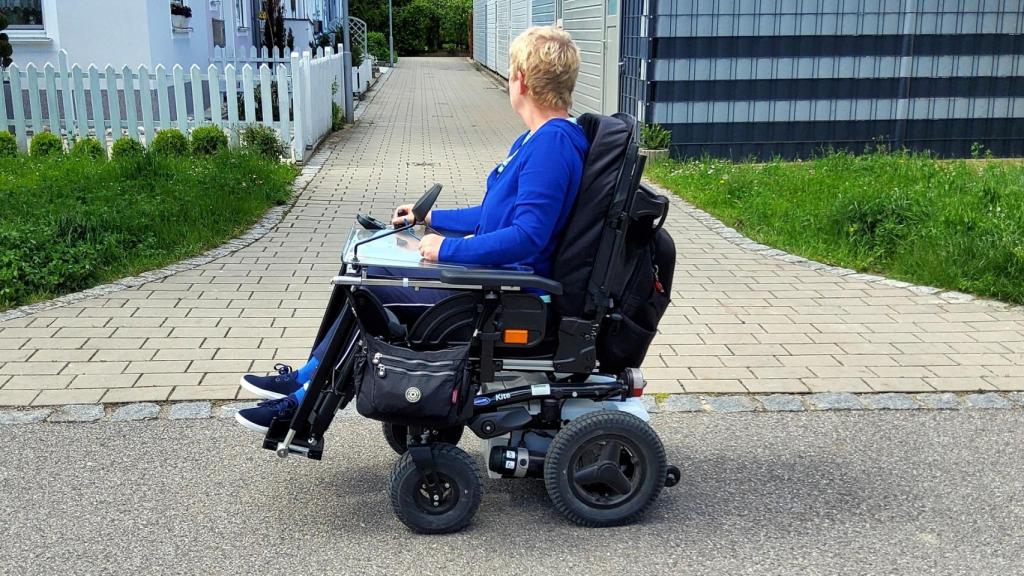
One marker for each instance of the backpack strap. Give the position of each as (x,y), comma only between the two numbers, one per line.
(599,297)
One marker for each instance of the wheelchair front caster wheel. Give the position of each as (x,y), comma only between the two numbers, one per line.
(397,436)
(605,468)
(442,503)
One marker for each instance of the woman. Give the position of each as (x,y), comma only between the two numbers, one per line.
(528,199)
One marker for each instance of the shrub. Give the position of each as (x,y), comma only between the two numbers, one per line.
(169,142)
(8,145)
(258,101)
(378,45)
(88,148)
(208,140)
(262,140)
(46,144)
(337,117)
(416,27)
(126,149)
(654,137)
(6,49)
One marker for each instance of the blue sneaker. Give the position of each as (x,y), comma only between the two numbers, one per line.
(258,418)
(273,387)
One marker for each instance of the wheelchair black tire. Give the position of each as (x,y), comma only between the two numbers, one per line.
(645,470)
(454,467)
(397,437)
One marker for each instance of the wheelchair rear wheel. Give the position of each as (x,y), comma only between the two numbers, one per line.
(605,468)
(444,503)
(397,436)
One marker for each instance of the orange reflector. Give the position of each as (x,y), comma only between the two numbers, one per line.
(517,336)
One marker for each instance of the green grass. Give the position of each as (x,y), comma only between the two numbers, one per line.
(69,223)
(952,224)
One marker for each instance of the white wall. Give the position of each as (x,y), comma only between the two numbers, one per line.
(37,47)
(169,47)
(121,32)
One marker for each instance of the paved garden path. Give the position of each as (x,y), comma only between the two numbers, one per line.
(741,321)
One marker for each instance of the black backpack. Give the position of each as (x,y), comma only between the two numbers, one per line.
(615,262)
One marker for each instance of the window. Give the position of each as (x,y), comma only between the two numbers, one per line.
(23,14)
(240,14)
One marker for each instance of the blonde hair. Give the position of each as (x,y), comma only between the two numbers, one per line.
(549,60)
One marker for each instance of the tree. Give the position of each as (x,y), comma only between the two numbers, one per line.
(375,12)
(453,16)
(416,28)
(6,50)
(274,33)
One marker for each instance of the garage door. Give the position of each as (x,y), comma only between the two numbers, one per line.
(501,58)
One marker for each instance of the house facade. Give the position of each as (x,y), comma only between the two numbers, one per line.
(134,32)
(594,24)
(742,78)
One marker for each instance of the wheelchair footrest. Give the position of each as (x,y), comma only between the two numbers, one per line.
(277,433)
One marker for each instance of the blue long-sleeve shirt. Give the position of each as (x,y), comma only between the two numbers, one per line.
(526,205)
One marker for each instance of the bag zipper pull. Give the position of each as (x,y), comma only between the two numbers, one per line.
(376,358)
(380,370)
(657,283)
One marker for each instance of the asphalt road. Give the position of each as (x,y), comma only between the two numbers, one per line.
(822,493)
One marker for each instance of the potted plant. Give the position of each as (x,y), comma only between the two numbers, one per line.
(654,141)
(6,50)
(180,15)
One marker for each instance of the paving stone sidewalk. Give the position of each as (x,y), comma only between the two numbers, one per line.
(741,320)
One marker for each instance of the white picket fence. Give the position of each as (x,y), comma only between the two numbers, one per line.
(110,103)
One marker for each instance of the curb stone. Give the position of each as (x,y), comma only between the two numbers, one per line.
(78,413)
(23,416)
(888,401)
(229,410)
(681,403)
(734,237)
(270,220)
(189,411)
(650,404)
(135,412)
(729,404)
(939,401)
(987,400)
(781,403)
(674,404)
(834,401)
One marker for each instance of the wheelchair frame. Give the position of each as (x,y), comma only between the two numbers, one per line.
(332,386)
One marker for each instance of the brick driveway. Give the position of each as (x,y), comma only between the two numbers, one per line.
(740,321)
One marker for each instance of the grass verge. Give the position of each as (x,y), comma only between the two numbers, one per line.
(68,223)
(955,224)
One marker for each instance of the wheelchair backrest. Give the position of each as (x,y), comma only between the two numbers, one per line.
(611,174)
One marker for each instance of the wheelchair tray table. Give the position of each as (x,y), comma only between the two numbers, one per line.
(401,250)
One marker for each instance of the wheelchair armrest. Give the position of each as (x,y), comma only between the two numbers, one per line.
(498,278)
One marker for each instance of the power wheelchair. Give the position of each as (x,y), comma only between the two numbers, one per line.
(544,370)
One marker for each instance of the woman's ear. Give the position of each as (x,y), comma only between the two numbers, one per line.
(523,89)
